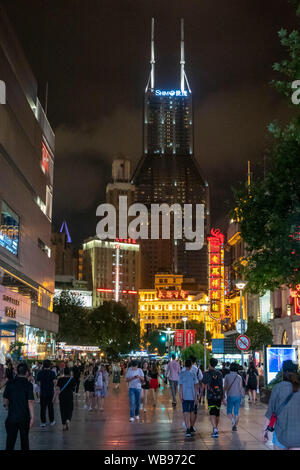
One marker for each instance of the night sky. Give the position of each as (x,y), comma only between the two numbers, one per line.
(95,54)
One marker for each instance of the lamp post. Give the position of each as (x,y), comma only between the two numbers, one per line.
(184,319)
(241,285)
(204,308)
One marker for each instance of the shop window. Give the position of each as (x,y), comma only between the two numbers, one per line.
(9,229)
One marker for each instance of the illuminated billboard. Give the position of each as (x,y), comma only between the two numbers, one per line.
(275,356)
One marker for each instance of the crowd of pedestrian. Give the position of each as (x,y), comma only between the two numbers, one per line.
(229,385)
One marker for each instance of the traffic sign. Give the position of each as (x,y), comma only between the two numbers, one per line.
(241,326)
(243,342)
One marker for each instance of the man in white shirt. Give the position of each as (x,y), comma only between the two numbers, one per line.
(199,376)
(134,378)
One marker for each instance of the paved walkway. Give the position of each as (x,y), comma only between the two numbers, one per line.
(159,429)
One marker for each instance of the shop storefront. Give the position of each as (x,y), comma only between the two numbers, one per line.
(15,317)
(39,344)
(14,312)
(84,353)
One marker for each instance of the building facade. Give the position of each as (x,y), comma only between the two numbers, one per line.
(169,173)
(279,308)
(167,303)
(111,269)
(26,185)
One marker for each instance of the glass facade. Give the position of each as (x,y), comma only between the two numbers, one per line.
(9,229)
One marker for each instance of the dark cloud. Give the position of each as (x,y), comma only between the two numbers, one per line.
(94,54)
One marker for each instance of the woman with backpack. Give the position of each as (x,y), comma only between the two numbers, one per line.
(252,382)
(64,389)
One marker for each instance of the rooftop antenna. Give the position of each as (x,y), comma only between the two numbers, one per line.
(183,77)
(151,79)
(182,62)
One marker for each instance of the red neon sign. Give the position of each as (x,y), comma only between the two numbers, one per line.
(216,274)
(45,158)
(126,240)
(100,289)
(190,337)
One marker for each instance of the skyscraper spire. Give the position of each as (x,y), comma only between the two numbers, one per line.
(182,62)
(183,77)
(151,79)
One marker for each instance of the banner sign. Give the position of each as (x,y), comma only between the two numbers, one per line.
(190,337)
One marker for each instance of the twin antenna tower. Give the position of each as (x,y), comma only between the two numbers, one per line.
(183,77)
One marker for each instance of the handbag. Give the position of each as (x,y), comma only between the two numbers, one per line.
(274,417)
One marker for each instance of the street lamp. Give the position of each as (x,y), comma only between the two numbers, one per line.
(241,285)
(184,319)
(204,308)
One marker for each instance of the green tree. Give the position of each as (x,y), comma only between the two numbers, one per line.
(153,342)
(196,350)
(269,211)
(113,329)
(260,334)
(73,319)
(199,327)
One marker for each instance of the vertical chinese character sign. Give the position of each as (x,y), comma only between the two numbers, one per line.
(216,274)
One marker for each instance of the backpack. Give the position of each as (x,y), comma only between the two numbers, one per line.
(214,387)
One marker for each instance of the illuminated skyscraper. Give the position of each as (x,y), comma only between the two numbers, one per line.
(168,172)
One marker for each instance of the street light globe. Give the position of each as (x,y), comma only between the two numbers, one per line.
(184,318)
(241,284)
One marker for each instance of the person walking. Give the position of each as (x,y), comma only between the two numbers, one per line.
(283,413)
(103,392)
(89,387)
(46,380)
(76,370)
(199,376)
(188,392)
(252,382)
(154,384)
(213,382)
(145,386)
(173,371)
(135,379)
(233,388)
(98,388)
(64,390)
(201,386)
(116,371)
(19,399)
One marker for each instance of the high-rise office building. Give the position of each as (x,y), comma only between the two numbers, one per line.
(111,267)
(26,182)
(168,172)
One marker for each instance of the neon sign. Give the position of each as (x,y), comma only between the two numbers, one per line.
(171,93)
(171,294)
(216,275)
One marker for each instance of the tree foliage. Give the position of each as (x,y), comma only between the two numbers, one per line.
(269,211)
(153,342)
(110,326)
(113,329)
(196,350)
(73,319)
(260,335)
